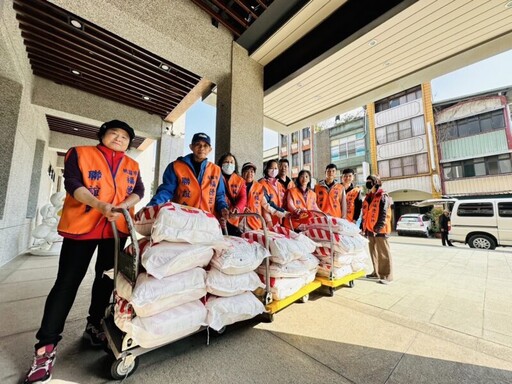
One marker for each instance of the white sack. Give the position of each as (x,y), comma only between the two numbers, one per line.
(221,284)
(223,311)
(240,257)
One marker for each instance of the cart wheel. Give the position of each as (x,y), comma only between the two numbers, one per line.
(304,299)
(330,291)
(351,284)
(268,317)
(222,330)
(119,370)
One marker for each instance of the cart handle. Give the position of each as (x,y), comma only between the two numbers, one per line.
(133,237)
(268,295)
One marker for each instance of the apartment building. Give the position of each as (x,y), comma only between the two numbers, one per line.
(297,148)
(475,144)
(403,147)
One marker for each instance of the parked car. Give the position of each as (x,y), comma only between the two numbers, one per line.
(414,223)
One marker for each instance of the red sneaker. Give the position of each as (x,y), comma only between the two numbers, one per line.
(41,370)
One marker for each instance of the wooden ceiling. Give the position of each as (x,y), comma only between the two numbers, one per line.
(58,124)
(235,15)
(69,50)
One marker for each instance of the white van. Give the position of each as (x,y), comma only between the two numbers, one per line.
(480,223)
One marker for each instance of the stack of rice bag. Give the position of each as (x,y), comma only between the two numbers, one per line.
(348,245)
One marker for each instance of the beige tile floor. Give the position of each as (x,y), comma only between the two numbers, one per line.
(445,319)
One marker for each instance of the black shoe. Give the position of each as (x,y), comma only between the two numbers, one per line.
(372,276)
(94,336)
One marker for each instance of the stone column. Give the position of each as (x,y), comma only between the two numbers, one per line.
(240,110)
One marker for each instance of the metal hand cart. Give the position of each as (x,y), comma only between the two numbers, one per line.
(273,306)
(330,283)
(120,344)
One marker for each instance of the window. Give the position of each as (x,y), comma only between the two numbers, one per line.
(306,157)
(505,209)
(306,133)
(483,166)
(284,140)
(475,210)
(347,147)
(398,99)
(470,126)
(295,160)
(399,131)
(404,166)
(295,137)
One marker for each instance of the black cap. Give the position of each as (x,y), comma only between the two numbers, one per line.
(116,124)
(248,165)
(201,136)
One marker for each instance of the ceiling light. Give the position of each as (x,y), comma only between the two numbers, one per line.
(165,67)
(75,72)
(372,43)
(508,5)
(75,23)
(300,85)
(147,98)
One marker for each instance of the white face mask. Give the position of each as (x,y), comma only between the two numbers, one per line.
(272,172)
(228,168)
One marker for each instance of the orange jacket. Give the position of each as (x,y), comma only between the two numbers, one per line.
(255,198)
(276,193)
(189,192)
(351,197)
(374,219)
(330,200)
(78,218)
(296,201)
(234,187)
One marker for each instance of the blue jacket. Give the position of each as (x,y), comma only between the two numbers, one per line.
(165,191)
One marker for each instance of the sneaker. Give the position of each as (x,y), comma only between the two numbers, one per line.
(372,276)
(41,370)
(94,336)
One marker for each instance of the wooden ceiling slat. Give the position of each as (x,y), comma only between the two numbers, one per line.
(102,92)
(234,16)
(262,4)
(246,9)
(99,84)
(65,65)
(212,13)
(58,15)
(42,34)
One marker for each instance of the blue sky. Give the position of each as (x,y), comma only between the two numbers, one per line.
(487,74)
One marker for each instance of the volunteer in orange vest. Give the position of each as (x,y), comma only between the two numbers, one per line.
(353,195)
(301,198)
(96,179)
(257,202)
(194,181)
(330,194)
(376,226)
(282,176)
(275,192)
(236,194)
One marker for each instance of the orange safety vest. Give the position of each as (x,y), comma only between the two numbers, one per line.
(78,218)
(233,187)
(329,200)
(277,196)
(298,200)
(371,214)
(189,192)
(254,197)
(351,202)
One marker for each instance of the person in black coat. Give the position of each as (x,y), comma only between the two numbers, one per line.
(444,221)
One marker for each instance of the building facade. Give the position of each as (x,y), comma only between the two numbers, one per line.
(403,147)
(297,148)
(475,144)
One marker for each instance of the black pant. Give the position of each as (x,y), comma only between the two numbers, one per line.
(444,239)
(75,258)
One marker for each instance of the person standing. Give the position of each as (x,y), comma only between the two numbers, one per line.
(236,195)
(301,198)
(282,176)
(353,195)
(274,191)
(330,194)
(194,181)
(444,225)
(376,226)
(96,179)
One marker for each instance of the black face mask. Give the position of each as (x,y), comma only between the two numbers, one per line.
(369,185)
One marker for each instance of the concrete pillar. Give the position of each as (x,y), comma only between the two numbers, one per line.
(240,110)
